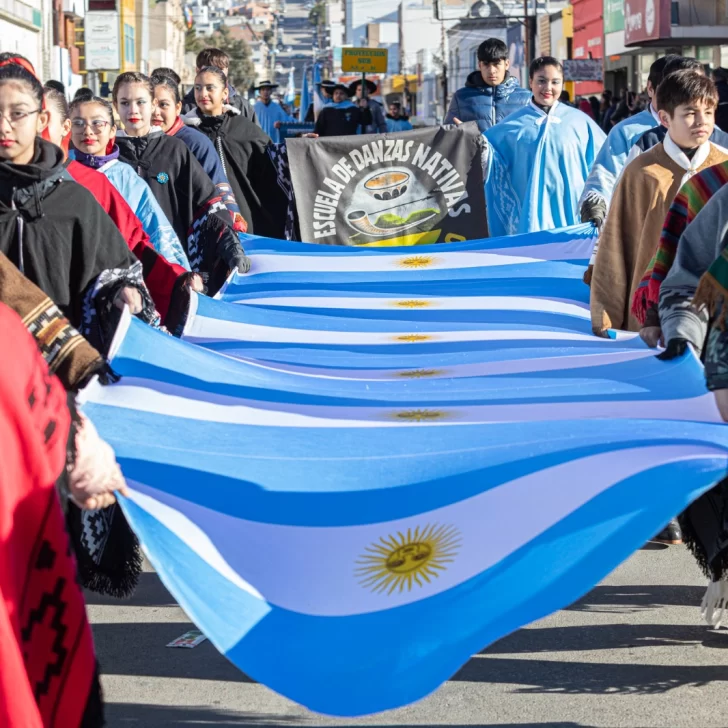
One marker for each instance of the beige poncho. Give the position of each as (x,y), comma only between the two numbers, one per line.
(631,233)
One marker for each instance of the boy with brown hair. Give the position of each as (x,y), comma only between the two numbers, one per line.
(686,103)
(219,59)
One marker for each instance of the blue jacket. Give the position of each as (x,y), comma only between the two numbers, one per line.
(144,204)
(401,123)
(487,105)
(204,151)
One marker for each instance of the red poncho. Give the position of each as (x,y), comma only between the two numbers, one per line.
(47,663)
(160,275)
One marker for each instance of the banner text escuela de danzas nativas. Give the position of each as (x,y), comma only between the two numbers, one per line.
(408,188)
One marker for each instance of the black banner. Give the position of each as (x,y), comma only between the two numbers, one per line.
(408,188)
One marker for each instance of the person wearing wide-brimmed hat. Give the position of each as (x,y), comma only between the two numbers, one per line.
(378,124)
(270,113)
(326,88)
(341,117)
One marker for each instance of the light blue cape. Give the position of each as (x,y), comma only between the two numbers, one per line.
(613,155)
(267,115)
(537,166)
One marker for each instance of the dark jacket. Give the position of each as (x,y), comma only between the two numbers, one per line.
(204,151)
(206,154)
(243,150)
(652,137)
(234,99)
(342,121)
(378,124)
(487,105)
(188,198)
(58,236)
(163,279)
(721,113)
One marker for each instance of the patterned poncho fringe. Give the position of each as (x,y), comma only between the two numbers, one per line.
(691,199)
(712,291)
(67,354)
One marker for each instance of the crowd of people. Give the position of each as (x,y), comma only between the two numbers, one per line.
(139,201)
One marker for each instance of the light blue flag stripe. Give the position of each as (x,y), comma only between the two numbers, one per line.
(335,491)
(256,244)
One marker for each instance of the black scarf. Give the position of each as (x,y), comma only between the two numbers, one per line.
(243,148)
(188,198)
(55,232)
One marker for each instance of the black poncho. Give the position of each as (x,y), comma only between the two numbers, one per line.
(340,120)
(56,233)
(245,151)
(188,197)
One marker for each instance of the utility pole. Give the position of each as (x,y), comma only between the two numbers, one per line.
(273,49)
(527,36)
(443,52)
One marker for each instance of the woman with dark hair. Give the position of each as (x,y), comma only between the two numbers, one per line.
(93,132)
(57,234)
(539,158)
(166,115)
(596,109)
(245,152)
(168,281)
(185,193)
(49,450)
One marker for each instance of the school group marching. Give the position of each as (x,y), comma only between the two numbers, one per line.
(139,201)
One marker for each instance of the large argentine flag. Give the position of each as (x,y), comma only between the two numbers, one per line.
(350,517)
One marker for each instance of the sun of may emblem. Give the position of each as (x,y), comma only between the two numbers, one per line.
(417,261)
(419,415)
(412,303)
(413,338)
(401,560)
(420,373)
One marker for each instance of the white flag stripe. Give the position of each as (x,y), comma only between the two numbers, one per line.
(200,329)
(414,261)
(174,401)
(185,529)
(481,539)
(414,304)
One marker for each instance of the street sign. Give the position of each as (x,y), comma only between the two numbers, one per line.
(364,60)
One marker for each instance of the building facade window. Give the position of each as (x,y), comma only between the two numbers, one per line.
(129,43)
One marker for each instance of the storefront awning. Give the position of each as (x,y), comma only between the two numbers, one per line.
(396,84)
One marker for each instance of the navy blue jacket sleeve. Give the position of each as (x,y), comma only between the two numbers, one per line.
(204,151)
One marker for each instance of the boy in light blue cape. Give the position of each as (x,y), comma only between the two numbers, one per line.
(270,113)
(539,158)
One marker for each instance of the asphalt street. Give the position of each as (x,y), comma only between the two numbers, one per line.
(633,653)
(297,34)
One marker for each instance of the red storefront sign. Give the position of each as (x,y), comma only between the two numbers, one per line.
(588,40)
(586,12)
(646,20)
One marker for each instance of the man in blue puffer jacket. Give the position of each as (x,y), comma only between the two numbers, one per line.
(490,93)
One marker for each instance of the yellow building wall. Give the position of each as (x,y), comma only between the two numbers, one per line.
(567,18)
(127,19)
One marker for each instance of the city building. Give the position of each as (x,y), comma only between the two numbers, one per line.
(166,35)
(21,26)
(588,40)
